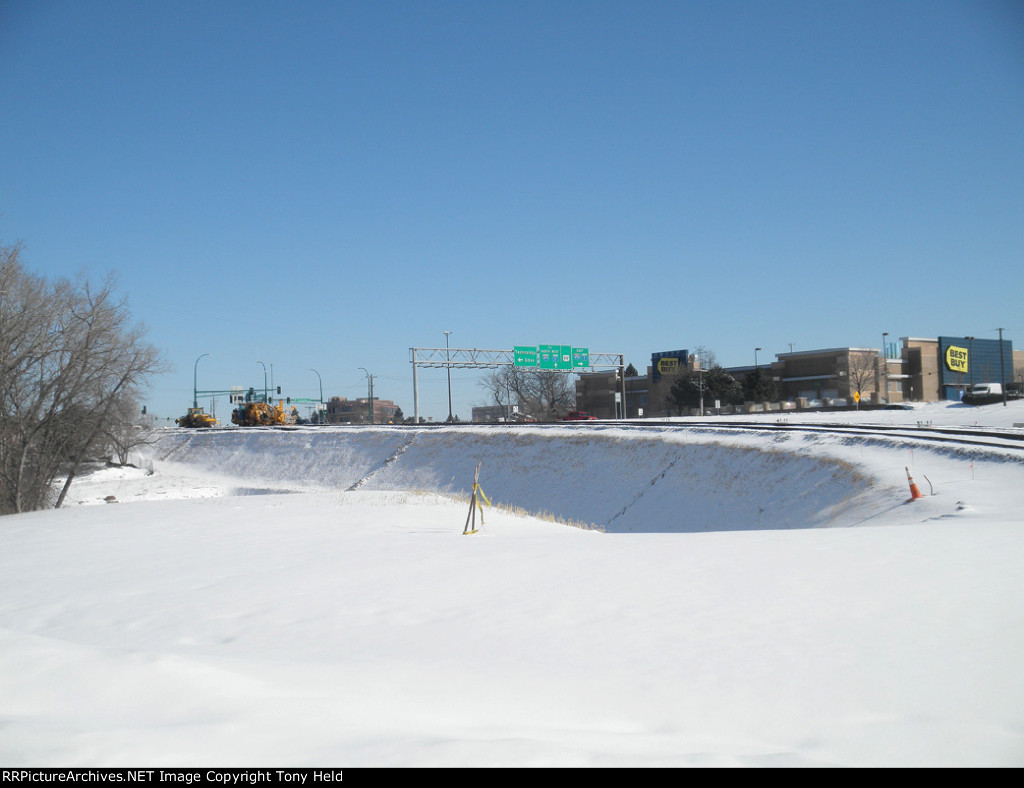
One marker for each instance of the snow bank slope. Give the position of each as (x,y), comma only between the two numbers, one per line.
(613,479)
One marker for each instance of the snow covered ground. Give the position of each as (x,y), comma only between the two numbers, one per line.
(636,597)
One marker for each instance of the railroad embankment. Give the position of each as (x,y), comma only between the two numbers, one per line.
(610,480)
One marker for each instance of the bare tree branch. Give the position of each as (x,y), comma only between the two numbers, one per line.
(69,358)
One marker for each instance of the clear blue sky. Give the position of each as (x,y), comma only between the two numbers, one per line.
(327,184)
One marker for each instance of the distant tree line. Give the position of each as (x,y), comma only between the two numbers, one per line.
(71,368)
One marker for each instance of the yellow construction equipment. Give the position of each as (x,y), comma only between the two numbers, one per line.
(196,418)
(263,414)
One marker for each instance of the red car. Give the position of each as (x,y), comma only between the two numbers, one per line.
(578,415)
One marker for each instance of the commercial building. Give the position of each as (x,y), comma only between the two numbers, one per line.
(600,394)
(943,368)
(837,376)
(913,369)
(357,411)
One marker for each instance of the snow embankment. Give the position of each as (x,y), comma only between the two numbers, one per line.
(611,479)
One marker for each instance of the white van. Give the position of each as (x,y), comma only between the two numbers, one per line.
(985,389)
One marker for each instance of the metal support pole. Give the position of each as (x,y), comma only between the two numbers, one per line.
(885,370)
(195,372)
(700,386)
(449,362)
(970,360)
(1002,365)
(415,391)
(369,391)
(320,407)
(622,374)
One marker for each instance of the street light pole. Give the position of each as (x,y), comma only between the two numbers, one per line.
(195,372)
(700,386)
(448,359)
(970,360)
(265,398)
(320,409)
(885,369)
(755,356)
(1002,366)
(369,389)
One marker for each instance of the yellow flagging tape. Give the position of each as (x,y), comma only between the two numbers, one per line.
(478,493)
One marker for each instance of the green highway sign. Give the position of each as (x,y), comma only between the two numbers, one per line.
(554,357)
(525,356)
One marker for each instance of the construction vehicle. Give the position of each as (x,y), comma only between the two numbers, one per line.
(263,414)
(196,417)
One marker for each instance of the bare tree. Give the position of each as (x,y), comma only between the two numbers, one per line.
(126,430)
(542,394)
(68,356)
(862,370)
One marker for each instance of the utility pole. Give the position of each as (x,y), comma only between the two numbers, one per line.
(700,387)
(448,361)
(1002,365)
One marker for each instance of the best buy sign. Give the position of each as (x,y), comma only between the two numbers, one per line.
(668,366)
(957,359)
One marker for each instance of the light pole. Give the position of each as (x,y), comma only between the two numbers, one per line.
(970,360)
(757,378)
(1002,366)
(700,387)
(448,359)
(195,372)
(885,370)
(369,387)
(320,409)
(265,399)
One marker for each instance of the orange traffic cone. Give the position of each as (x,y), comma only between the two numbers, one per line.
(914,492)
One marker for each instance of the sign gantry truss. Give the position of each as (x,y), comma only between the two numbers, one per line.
(476,358)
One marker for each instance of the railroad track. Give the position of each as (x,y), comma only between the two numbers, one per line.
(923,432)
(967,436)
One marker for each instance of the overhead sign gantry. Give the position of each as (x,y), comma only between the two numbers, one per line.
(547,358)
